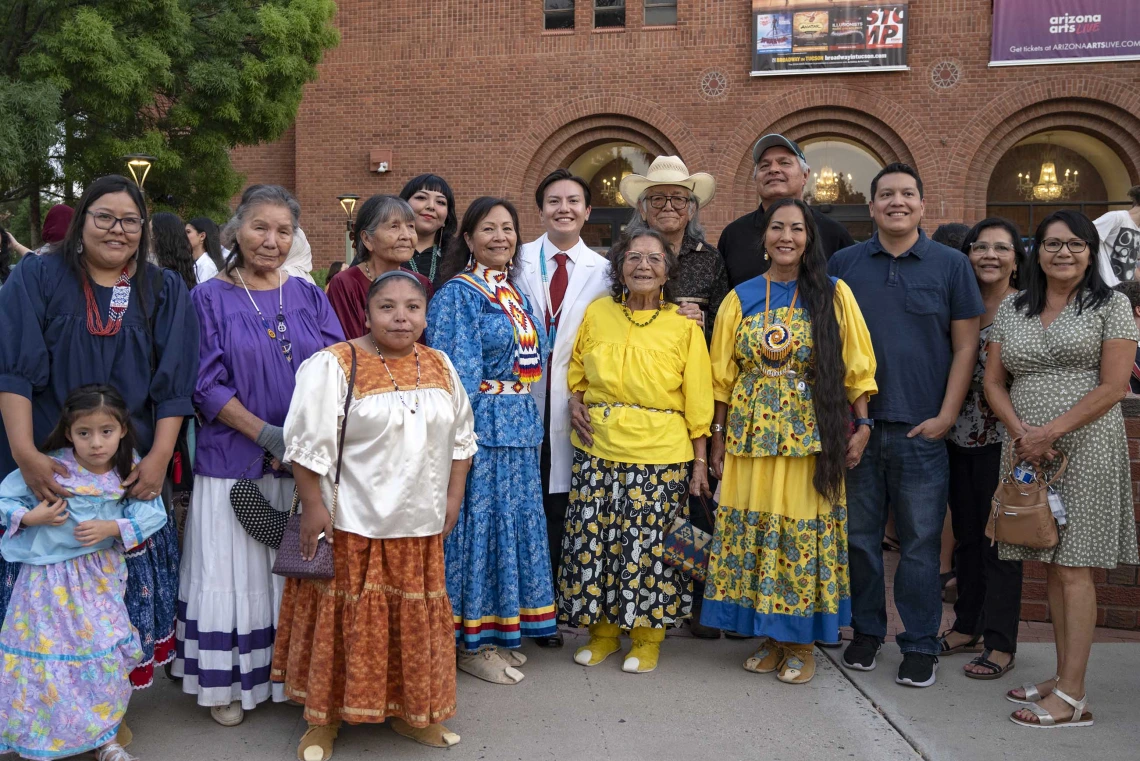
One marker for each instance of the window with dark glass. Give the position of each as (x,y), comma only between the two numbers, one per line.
(559,14)
(660,12)
(609,13)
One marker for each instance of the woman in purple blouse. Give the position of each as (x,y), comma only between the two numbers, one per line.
(257,326)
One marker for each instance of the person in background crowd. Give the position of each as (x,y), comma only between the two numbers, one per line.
(205,246)
(921,303)
(406,449)
(385,237)
(1119,252)
(498,571)
(1059,356)
(433,204)
(989,588)
(951,235)
(54,230)
(778,561)
(641,405)
(61,331)
(170,247)
(68,694)
(780,171)
(1131,289)
(668,199)
(258,326)
(560,275)
(334,269)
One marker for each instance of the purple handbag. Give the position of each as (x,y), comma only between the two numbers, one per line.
(290,563)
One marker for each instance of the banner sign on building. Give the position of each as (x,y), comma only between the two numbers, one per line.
(817,37)
(1065,31)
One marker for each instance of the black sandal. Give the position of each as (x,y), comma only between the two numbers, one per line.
(967,647)
(996,671)
(891,543)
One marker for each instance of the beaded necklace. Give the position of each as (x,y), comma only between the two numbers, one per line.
(399,393)
(434,263)
(274,335)
(629,312)
(120,298)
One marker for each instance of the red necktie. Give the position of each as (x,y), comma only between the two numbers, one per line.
(557,289)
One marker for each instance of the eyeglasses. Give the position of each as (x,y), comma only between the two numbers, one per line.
(981,247)
(105,221)
(677,202)
(636,258)
(1075,245)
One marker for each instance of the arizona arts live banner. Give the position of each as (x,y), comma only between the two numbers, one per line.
(814,37)
(1065,31)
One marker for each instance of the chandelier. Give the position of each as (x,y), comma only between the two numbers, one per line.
(826,186)
(1048,187)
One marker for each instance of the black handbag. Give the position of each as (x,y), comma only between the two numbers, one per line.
(260,519)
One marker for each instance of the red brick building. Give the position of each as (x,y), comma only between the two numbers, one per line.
(482,93)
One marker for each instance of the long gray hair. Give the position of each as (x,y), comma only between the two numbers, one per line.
(254,196)
(694,229)
(374,212)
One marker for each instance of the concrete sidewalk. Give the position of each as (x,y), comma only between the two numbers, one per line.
(699,705)
(960,718)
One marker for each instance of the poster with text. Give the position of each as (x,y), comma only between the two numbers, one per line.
(812,37)
(1065,31)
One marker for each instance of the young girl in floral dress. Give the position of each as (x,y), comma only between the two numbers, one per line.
(67,641)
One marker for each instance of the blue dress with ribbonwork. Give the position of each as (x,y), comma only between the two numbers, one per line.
(498,561)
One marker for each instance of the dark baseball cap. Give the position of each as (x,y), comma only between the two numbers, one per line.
(774,141)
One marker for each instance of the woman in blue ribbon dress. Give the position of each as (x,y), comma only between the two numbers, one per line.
(498,567)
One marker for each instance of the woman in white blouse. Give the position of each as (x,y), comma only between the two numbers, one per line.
(377,640)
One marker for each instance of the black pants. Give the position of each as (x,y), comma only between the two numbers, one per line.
(554,505)
(989,588)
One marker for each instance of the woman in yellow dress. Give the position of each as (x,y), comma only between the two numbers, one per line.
(641,406)
(791,356)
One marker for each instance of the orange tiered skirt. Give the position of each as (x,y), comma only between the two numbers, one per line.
(375,641)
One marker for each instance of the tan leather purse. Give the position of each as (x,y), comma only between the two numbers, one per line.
(1020,513)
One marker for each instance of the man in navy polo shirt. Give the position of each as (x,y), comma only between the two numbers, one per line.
(921,303)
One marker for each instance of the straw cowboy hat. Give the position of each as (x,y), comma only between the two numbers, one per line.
(668,170)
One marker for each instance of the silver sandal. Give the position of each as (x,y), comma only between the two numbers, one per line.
(1031,693)
(112,751)
(1080,717)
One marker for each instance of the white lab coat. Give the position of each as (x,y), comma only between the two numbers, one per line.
(589,280)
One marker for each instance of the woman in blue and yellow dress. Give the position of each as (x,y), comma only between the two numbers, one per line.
(497,558)
(791,356)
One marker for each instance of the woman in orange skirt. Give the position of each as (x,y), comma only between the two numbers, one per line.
(376,641)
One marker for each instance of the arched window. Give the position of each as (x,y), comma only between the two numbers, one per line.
(603,165)
(840,181)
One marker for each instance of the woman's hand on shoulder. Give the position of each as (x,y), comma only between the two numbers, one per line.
(39,473)
(692,311)
(145,481)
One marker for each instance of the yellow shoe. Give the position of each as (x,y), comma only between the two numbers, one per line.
(603,643)
(798,665)
(317,742)
(125,735)
(642,657)
(767,657)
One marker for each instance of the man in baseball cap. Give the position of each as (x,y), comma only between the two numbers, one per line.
(780,171)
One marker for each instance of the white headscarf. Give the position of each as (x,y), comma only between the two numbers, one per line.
(299,262)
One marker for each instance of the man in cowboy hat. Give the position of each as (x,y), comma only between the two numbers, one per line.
(668,199)
(780,171)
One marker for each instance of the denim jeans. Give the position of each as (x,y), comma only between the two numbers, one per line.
(912,476)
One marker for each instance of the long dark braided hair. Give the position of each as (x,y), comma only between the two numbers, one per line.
(829,392)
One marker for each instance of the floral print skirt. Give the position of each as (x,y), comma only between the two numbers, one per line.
(778,559)
(613,566)
(68,648)
(374,641)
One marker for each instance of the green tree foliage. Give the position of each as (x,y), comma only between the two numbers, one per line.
(83,83)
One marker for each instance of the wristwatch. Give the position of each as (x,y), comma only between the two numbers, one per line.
(716,428)
(869,422)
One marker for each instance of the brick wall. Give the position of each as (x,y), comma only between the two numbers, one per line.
(1118,590)
(476,91)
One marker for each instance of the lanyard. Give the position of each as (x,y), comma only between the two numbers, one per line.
(552,321)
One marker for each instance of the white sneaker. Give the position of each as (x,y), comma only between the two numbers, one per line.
(228,716)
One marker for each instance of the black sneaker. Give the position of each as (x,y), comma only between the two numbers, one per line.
(860,654)
(917,670)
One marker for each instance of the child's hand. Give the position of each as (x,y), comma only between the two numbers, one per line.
(93,532)
(46,514)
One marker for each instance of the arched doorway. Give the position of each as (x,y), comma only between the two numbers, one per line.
(1057,169)
(603,165)
(840,181)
